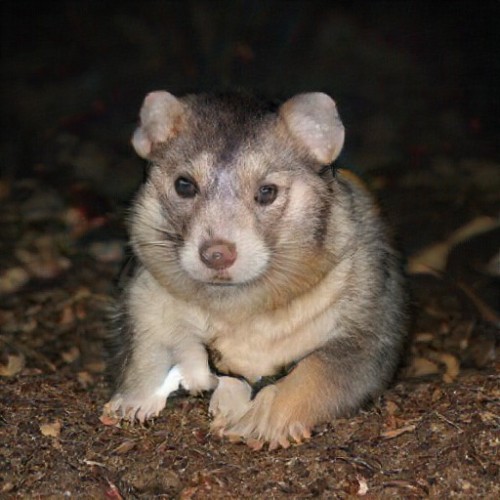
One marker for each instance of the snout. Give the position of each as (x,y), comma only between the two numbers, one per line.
(218,254)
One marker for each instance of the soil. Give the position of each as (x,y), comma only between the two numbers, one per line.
(67,178)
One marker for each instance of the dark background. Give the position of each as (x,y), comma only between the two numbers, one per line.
(412,78)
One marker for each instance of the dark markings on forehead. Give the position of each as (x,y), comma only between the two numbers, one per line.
(230,125)
(223,123)
(226,104)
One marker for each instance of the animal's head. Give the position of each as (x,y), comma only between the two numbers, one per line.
(235,197)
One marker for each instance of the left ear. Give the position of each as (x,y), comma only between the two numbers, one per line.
(161,119)
(313,120)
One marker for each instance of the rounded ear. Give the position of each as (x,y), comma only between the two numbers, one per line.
(313,120)
(160,120)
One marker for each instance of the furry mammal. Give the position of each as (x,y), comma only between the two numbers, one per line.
(252,247)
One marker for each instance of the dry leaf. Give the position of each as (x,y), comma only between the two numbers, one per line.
(424,337)
(52,429)
(96,366)
(71,355)
(452,366)
(15,363)
(85,379)
(421,367)
(435,256)
(67,316)
(436,395)
(493,266)
(488,416)
(13,279)
(431,258)
(397,432)
(391,407)
(363,486)
(476,226)
(125,447)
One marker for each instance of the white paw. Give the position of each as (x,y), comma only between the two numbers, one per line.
(229,402)
(142,406)
(134,407)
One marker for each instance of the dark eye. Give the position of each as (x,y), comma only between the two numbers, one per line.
(186,188)
(266,194)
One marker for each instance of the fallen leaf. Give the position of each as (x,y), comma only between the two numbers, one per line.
(431,258)
(7,487)
(125,447)
(13,279)
(452,366)
(86,461)
(436,395)
(424,337)
(391,407)
(493,266)
(67,316)
(363,486)
(52,429)
(421,367)
(435,256)
(397,432)
(71,355)
(473,228)
(85,379)
(15,363)
(488,416)
(95,366)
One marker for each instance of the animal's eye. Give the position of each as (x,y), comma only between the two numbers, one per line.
(266,194)
(186,188)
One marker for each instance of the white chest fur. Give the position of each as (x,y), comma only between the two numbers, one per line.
(250,345)
(260,345)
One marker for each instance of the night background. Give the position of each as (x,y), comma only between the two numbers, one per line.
(417,84)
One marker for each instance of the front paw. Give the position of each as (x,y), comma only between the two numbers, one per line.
(263,420)
(229,402)
(141,405)
(132,407)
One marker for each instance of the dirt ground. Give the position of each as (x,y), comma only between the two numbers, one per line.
(67,177)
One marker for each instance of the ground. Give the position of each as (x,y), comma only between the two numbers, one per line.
(421,138)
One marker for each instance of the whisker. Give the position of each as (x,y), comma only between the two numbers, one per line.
(163,244)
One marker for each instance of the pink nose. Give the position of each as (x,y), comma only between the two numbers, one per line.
(218,254)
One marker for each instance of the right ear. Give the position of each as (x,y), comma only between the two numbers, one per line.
(160,120)
(314,121)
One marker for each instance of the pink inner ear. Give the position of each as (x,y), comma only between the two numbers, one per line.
(141,143)
(313,120)
(160,115)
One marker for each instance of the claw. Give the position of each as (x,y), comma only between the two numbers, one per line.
(299,433)
(234,438)
(284,443)
(255,444)
(273,445)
